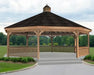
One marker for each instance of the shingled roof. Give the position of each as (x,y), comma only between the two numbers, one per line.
(46,19)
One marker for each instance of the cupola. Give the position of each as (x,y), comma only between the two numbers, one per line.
(46,9)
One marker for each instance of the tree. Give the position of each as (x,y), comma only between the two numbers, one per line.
(58,40)
(70,41)
(32,40)
(55,44)
(45,40)
(19,40)
(91,40)
(3,38)
(13,39)
(83,40)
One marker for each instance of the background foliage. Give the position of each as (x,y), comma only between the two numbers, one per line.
(45,40)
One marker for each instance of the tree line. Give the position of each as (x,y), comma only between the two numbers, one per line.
(45,40)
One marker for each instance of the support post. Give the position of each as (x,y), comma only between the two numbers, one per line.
(38,33)
(8,39)
(38,51)
(88,42)
(27,40)
(51,43)
(77,44)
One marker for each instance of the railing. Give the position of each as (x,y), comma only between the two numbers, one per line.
(56,49)
(23,51)
(83,51)
(32,51)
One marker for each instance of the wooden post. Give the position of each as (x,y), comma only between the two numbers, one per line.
(38,45)
(8,39)
(88,42)
(51,43)
(77,44)
(27,40)
(38,33)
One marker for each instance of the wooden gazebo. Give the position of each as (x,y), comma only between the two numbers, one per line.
(46,24)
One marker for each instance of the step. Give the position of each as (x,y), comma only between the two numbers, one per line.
(60,59)
(57,63)
(44,62)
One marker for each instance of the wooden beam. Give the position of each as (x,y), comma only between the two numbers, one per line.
(38,33)
(47,28)
(38,45)
(27,39)
(77,43)
(51,43)
(88,42)
(8,39)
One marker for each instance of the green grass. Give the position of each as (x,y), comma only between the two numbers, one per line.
(5,66)
(3,50)
(91,54)
(91,50)
(91,62)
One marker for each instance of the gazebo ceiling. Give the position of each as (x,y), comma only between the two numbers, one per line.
(44,33)
(46,18)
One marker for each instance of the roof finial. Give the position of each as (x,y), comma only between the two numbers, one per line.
(46,9)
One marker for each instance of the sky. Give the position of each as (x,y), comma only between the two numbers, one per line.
(80,11)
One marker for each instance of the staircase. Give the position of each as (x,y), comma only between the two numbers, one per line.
(58,58)
(59,61)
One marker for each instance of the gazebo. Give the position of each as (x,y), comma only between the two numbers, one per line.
(46,24)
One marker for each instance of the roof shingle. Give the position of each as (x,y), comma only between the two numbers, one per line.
(46,19)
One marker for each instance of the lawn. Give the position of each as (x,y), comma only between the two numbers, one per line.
(91,62)
(5,66)
(3,50)
(91,50)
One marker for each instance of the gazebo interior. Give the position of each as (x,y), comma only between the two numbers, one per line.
(46,24)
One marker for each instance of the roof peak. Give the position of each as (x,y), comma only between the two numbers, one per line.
(47,8)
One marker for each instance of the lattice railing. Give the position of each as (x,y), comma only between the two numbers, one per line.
(83,51)
(57,49)
(23,51)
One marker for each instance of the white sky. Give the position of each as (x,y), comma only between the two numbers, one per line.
(80,11)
